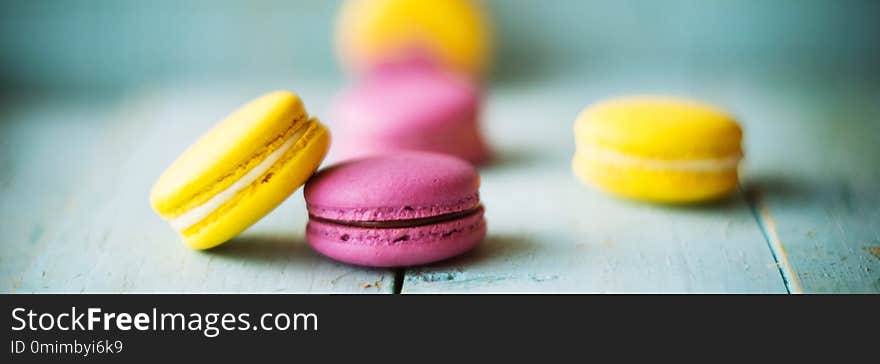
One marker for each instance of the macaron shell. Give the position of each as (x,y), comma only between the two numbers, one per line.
(412,95)
(460,139)
(396,247)
(659,127)
(258,200)
(667,186)
(227,151)
(415,107)
(402,186)
(455,32)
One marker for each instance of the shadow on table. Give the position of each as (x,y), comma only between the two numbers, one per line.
(785,190)
(753,190)
(266,248)
(499,248)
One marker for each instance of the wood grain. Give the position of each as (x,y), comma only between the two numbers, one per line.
(549,233)
(75,175)
(79,221)
(814,181)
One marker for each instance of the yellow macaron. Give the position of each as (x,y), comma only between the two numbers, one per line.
(658,148)
(240,170)
(454,33)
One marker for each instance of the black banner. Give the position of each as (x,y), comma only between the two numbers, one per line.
(228,327)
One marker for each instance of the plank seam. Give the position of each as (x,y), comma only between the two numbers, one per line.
(399,273)
(761,212)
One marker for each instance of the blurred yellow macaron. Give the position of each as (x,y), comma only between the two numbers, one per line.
(658,148)
(240,170)
(453,33)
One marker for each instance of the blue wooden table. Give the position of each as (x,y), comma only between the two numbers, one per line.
(76,174)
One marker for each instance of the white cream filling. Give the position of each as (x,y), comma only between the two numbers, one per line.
(202,211)
(613,157)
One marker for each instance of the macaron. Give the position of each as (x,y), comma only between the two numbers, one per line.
(395,210)
(240,170)
(658,148)
(452,33)
(409,107)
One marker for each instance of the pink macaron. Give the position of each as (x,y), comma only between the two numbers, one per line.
(410,106)
(393,210)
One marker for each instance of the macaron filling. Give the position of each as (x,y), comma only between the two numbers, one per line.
(200,212)
(613,157)
(408,223)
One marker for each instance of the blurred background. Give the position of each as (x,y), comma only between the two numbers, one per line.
(98,97)
(106,46)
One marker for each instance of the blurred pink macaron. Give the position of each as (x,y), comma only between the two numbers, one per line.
(410,106)
(402,209)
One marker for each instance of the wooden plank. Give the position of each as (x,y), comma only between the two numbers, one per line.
(43,150)
(814,182)
(548,233)
(76,216)
(810,171)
